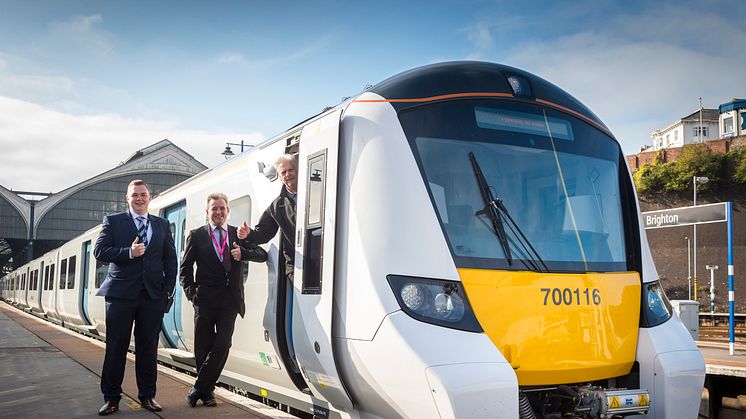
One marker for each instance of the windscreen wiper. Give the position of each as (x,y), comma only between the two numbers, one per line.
(497,213)
(490,208)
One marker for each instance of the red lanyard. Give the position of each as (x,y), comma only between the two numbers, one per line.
(219,246)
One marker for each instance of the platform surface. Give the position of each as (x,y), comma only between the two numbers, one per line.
(47,371)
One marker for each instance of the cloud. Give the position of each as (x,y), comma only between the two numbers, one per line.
(232,58)
(480,35)
(237,58)
(83,32)
(638,76)
(48,150)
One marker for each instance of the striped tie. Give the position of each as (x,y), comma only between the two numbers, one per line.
(142,231)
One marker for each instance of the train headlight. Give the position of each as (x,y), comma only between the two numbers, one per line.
(655,306)
(412,296)
(434,301)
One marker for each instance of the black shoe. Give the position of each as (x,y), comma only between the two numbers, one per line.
(209,400)
(108,408)
(151,404)
(193,396)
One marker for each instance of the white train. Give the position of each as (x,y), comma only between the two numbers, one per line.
(468,244)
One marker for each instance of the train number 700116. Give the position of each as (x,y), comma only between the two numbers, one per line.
(570,296)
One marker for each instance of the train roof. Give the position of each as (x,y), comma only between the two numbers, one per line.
(463,79)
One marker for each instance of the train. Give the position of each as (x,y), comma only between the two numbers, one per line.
(468,245)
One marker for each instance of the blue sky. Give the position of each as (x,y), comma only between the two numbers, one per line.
(103,78)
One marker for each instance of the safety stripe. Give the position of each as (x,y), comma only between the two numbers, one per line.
(439,97)
(485,94)
(578,114)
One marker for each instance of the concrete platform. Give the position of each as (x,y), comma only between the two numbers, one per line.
(48,371)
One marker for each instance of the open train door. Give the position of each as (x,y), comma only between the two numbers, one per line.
(314,260)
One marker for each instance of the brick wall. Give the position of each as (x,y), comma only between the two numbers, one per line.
(667,155)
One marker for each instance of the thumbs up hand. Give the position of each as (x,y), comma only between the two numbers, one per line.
(137,249)
(236,252)
(243,231)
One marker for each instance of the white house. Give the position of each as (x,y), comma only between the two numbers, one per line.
(687,130)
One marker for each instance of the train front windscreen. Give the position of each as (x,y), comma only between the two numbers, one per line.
(519,186)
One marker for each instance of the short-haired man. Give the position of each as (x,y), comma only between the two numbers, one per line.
(216,292)
(142,274)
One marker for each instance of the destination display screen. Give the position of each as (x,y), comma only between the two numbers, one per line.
(524,123)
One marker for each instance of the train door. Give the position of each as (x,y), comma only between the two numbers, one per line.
(172,325)
(314,262)
(85,265)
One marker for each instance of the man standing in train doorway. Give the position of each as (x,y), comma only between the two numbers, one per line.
(280,215)
(216,292)
(142,274)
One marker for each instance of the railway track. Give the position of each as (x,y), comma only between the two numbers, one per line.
(721,334)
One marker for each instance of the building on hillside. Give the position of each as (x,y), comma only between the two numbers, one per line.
(30,227)
(733,118)
(687,130)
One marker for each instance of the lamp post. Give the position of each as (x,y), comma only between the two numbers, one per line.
(695,180)
(689,264)
(228,153)
(712,269)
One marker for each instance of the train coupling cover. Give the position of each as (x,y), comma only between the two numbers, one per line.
(605,404)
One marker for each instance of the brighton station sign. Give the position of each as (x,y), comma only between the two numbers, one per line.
(675,217)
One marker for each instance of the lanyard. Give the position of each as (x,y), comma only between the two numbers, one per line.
(219,246)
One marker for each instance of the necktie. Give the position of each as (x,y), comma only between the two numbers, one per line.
(142,231)
(226,256)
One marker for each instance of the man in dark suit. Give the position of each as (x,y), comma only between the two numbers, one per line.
(216,292)
(142,274)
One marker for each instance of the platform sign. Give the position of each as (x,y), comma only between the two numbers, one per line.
(676,217)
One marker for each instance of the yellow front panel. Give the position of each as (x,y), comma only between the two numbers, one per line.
(558,328)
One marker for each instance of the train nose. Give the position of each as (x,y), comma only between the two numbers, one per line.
(558,328)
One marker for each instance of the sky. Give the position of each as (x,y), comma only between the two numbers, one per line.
(85,83)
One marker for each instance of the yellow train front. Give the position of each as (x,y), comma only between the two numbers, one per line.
(536,296)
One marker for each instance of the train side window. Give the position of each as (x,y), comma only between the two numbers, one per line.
(71,272)
(36,279)
(240,211)
(51,276)
(45,285)
(101,270)
(23,281)
(63,274)
(183,233)
(314,232)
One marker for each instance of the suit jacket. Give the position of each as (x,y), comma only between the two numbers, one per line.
(279,215)
(211,276)
(155,270)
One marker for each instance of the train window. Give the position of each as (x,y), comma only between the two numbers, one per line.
(557,177)
(240,211)
(51,277)
(36,280)
(45,285)
(63,274)
(312,258)
(101,270)
(71,272)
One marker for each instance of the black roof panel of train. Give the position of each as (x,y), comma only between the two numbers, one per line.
(459,77)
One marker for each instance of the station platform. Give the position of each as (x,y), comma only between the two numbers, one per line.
(719,361)
(48,371)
